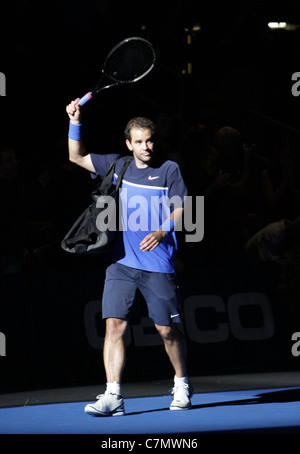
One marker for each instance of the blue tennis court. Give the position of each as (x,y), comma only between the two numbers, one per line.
(271,409)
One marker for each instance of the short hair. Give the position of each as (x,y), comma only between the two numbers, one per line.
(140,123)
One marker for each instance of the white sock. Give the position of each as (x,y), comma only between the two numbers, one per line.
(180,380)
(113,387)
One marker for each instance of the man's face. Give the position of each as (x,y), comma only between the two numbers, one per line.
(141,145)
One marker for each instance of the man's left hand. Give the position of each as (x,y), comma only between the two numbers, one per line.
(152,240)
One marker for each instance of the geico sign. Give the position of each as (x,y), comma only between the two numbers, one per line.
(142,336)
(234,323)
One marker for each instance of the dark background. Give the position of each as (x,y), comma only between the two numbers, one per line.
(51,53)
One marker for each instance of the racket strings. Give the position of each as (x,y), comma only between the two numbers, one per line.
(130,62)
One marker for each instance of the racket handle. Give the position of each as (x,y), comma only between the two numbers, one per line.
(85,99)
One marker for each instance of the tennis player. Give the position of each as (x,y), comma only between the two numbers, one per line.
(146,260)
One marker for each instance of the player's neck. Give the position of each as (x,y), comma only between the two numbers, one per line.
(141,164)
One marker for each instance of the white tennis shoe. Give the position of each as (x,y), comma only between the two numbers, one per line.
(182,394)
(108,404)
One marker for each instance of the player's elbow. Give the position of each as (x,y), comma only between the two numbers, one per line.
(73,158)
(82,161)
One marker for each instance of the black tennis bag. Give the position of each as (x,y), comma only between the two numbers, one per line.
(93,233)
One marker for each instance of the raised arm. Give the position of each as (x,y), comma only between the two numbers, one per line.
(77,150)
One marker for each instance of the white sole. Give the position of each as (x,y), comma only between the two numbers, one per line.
(173,407)
(94,412)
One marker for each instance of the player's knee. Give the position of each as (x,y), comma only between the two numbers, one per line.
(167,332)
(115,327)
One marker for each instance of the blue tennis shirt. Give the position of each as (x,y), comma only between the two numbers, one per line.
(147,199)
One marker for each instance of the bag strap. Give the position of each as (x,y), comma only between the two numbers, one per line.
(127,160)
(106,185)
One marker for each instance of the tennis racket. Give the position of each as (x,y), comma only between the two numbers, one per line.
(129,61)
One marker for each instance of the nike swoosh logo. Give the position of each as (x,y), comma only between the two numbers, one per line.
(152,178)
(172,316)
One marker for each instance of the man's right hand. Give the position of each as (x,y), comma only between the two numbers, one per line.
(73,110)
(77,152)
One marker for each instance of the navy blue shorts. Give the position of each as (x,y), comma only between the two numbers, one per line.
(158,289)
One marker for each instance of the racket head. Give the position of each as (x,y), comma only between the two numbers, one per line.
(129,61)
